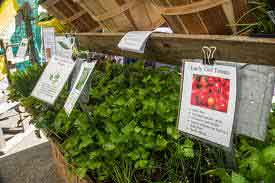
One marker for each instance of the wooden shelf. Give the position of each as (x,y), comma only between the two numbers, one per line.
(172,48)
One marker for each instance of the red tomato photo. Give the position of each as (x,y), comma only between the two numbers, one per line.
(210,92)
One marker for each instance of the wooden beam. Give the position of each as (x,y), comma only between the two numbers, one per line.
(171,48)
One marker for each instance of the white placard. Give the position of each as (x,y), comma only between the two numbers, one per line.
(64,46)
(82,78)
(4,84)
(22,50)
(49,42)
(53,79)
(208,102)
(9,54)
(271,15)
(135,41)
(13,59)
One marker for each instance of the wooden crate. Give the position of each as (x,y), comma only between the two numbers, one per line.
(63,166)
(123,15)
(70,13)
(202,16)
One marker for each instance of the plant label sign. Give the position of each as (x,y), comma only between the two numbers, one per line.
(82,78)
(64,46)
(49,42)
(22,50)
(53,79)
(135,41)
(208,102)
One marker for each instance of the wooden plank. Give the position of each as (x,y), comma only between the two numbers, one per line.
(75,16)
(172,48)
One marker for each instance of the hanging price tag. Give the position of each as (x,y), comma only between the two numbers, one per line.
(53,79)
(49,42)
(208,102)
(82,78)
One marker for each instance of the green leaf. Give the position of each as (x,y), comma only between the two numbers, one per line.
(85,141)
(268,155)
(172,131)
(141,164)
(236,178)
(221,173)
(109,147)
(81,172)
(186,149)
(161,142)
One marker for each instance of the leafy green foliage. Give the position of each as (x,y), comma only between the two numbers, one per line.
(258,13)
(22,82)
(127,131)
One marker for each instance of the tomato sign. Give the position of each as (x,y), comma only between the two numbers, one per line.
(208,102)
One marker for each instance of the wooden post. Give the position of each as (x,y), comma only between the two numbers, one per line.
(5,60)
(26,9)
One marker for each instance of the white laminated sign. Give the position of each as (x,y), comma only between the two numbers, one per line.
(64,46)
(82,78)
(135,41)
(22,50)
(49,42)
(208,102)
(53,79)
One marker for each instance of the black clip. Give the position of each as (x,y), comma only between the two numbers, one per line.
(208,55)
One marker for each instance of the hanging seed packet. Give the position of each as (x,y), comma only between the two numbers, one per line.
(53,79)
(208,102)
(82,78)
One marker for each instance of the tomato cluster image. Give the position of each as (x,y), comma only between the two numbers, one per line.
(210,92)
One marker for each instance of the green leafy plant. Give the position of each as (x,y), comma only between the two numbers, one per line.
(259,20)
(127,131)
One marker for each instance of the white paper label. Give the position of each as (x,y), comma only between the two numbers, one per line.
(9,54)
(49,42)
(82,78)
(53,79)
(208,102)
(64,46)
(271,15)
(22,50)
(4,84)
(135,41)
